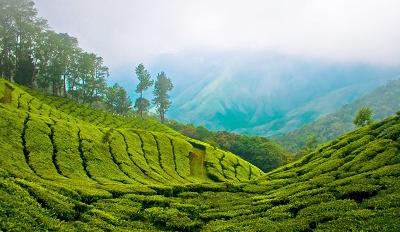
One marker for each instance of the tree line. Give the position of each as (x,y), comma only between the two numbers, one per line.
(32,54)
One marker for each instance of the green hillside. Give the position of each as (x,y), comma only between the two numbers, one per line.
(67,167)
(383,101)
(262,152)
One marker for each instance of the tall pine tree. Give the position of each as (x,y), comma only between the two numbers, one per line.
(142,104)
(161,98)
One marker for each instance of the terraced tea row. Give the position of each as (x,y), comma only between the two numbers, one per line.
(58,146)
(60,172)
(350,184)
(100,118)
(317,192)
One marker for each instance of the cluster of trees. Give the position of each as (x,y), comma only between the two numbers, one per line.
(33,55)
(162,86)
(262,152)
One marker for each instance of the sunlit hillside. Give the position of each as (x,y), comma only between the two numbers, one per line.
(65,166)
(383,101)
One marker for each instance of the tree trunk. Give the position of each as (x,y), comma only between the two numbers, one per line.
(33,81)
(65,87)
(140,105)
(54,88)
(162,115)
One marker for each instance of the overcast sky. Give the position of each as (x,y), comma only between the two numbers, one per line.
(126,32)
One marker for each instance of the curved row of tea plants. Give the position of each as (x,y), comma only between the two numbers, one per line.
(61,172)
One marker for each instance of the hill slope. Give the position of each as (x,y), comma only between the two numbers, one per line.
(349,184)
(262,152)
(134,151)
(383,101)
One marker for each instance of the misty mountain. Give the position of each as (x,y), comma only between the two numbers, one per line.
(262,93)
(384,101)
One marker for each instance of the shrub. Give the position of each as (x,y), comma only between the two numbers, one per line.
(171,218)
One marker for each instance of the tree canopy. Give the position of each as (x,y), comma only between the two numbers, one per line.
(117,99)
(34,55)
(161,98)
(142,104)
(363,117)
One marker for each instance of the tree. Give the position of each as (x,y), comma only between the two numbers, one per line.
(19,26)
(161,98)
(87,79)
(363,117)
(142,104)
(117,99)
(53,60)
(97,82)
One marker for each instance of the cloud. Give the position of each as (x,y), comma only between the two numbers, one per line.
(128,32)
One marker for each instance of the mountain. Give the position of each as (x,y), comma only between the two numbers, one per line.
(68,167)
(262,93)
(384,101)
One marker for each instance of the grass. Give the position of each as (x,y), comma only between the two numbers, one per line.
(67,167)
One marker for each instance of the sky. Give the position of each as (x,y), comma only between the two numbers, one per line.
(126,32)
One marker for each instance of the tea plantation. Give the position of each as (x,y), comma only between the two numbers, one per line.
(67,167)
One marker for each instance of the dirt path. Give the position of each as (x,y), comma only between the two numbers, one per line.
(196,157)
(7,98)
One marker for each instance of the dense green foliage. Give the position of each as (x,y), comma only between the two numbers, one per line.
(67,167)
(363,117)
(33,55)
(383,101)
(117,100)
(260,151)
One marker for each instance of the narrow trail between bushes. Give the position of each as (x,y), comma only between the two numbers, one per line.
(197,168)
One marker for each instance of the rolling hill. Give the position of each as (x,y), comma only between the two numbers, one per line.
(382,100)
(67,167)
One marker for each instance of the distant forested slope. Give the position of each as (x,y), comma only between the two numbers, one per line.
(263,93)
(384,101)
(262,152)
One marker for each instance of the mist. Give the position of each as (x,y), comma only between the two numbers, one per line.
(127,32)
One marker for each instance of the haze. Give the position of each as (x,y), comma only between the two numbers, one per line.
(127,32)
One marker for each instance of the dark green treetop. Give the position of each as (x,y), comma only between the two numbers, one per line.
(363,117)
(117,99)
(142,104)
(161,98)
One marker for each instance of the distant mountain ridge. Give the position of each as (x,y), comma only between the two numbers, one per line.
(384,101)
(262,93)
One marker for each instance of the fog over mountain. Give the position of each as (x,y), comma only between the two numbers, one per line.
(259,67)
(263,93)
(132,31)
